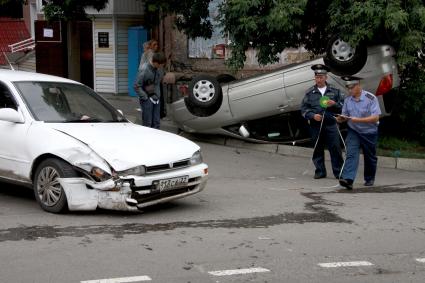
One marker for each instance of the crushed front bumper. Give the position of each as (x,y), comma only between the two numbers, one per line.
(131,193)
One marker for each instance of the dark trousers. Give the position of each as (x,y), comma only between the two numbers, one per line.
(329,136)
(356,141)
(150,113)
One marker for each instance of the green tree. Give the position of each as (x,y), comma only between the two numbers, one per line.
(270,26)
(65,9)
(273,25)
(70,9)
(192,15)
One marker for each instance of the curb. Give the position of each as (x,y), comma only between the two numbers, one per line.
(289,150)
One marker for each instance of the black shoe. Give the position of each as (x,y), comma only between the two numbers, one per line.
(319,176)
(369,183)
(348,184)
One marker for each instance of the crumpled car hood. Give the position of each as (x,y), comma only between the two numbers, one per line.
(126,145)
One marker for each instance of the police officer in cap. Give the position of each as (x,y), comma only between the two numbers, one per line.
(320,105)
(361,111)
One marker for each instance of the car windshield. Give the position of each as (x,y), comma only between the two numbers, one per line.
(56,102)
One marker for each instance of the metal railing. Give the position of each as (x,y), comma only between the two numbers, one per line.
(27,44)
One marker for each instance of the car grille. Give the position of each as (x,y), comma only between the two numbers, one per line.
(152,193)
(167,167)
(157,195)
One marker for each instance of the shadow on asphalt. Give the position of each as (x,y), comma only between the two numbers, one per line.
(24,193)
(16,191)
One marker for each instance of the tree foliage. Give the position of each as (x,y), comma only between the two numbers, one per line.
(409,117)
(3,2)
(70,9)
(272,25)
(192,15)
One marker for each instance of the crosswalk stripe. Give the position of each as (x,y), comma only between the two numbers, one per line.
(120,280)
(238,271)
(345,264)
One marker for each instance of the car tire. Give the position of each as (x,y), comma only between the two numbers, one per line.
(47,190)
(204,91)
(203,103)
(201,111)
(225,78)
(342,59)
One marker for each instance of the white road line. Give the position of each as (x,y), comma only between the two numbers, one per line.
(422,260)
(238,271)
(120,280)
(345,264)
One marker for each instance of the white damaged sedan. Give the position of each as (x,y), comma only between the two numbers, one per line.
(79,153)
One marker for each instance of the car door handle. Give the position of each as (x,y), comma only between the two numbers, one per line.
(281,107)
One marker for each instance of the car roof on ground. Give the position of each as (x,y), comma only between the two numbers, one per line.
(15,76)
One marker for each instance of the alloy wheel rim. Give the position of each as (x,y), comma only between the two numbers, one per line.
(342,51)
(204,90)
(49,189)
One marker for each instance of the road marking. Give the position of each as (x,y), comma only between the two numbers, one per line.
(264,238)
(345,264)
(238,271)
(120,280)
(422,260)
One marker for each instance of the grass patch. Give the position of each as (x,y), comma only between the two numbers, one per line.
(399,147)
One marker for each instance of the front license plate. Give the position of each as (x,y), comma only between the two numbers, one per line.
(169,184)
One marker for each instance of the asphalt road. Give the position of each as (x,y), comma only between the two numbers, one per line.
(262,218)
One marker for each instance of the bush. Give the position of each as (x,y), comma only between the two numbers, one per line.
(411,104)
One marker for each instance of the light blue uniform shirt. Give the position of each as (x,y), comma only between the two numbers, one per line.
(368,105)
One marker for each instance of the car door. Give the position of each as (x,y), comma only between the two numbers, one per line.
(14,161)
(297,81)
(258,97)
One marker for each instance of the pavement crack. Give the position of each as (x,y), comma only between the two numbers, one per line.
(317,213)
(397,188)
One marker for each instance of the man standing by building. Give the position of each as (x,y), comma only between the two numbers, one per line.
(361,110)
(320,104)
(148,86)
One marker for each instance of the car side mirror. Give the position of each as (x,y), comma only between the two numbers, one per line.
(11,115)
(119,111)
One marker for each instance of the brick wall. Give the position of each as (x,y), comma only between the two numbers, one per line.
(176,48)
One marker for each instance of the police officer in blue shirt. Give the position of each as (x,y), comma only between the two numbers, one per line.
(361,111)
(324,129)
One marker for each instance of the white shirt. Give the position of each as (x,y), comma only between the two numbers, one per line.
(322,90)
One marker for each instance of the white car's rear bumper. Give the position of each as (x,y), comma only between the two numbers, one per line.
(131,193)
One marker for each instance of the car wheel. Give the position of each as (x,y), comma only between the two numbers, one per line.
(47,189)
(204,96)
(344,59)
(204,91)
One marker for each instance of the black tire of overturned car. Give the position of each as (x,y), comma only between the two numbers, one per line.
(204,97)
(225,78)
(340,58)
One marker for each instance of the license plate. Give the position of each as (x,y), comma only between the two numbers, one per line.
(169,184)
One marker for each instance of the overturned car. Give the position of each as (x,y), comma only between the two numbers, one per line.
(79,153)
(266,107)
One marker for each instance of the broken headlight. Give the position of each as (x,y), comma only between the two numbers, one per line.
(136,171)
(196,158)
(99,174)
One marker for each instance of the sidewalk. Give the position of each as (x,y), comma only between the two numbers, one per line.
(131,109)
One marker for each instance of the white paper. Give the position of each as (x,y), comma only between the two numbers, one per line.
(47,32)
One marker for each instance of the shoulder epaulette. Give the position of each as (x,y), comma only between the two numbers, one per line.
(310,90)
(332,87)
(370,96)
